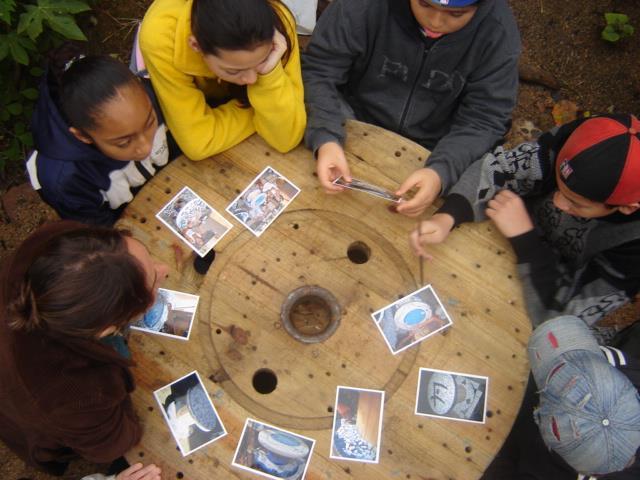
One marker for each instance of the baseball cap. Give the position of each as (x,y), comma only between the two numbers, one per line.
(589,411)
(454,3)
(601,159)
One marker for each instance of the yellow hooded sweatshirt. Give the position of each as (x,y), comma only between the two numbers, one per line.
(183,83)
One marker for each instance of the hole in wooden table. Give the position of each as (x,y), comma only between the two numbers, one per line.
(359,252)
(310,314)
(264,381)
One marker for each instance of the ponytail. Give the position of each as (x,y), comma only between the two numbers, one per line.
(25,310)
(80,283)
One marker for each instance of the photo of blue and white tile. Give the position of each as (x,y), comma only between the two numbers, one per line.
(452,395)
(271,452)
(171,315)
(357,424)
(411,319)
(190,414)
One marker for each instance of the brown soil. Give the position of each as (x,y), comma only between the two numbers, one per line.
(562,39)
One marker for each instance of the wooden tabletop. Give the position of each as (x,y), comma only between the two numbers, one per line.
(238,332)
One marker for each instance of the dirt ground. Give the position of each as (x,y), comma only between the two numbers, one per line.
(561,40)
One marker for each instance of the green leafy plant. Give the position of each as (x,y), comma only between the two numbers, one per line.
(618,27)
(28,29)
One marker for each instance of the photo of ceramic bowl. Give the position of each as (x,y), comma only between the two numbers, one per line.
(412,315)
(441,392)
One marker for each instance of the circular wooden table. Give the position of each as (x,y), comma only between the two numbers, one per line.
(238,332)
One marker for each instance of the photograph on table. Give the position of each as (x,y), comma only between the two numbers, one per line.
(452,395)
(263,200)
(272,452)
(171,315)
(196,222)
(366,187)
(357,424)
(190,414)
(411,319)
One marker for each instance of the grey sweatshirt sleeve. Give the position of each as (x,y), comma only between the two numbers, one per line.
(520,170)
(484,113)
(338,39)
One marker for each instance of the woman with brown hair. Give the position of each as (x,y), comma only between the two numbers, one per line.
(64,383)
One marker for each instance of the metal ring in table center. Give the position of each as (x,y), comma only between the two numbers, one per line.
(310,314)
(278,375)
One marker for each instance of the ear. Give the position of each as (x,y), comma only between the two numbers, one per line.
(629,209)
(80,135)
(193,43)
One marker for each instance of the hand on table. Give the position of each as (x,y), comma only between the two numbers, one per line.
(278,49)
(140,472)
(429,185)
(332,164)
(434,230)
(508,213)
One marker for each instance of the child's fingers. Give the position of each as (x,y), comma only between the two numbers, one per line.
(409,182)
(411,208)
(150,472)
(126,474)
(414,242)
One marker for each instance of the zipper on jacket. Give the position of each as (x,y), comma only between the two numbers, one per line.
(425,53)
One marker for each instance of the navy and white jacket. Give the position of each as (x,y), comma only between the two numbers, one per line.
(453,96)
(76,179)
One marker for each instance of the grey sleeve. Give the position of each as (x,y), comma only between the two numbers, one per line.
(99,476)
(482,117)
(338,39)
(519,170)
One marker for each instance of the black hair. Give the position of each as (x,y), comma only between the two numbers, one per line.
(237,25)
(86,83)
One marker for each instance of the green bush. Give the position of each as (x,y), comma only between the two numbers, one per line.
(28,29)
(618,27)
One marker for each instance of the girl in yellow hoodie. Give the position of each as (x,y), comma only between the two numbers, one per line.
(224,69)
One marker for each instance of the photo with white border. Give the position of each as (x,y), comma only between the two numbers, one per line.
(266,197)
(411,319)
(171,315)
(194,221)
(190,413)
(452,395)
(357,424)
(272,452)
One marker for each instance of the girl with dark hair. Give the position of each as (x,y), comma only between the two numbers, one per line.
(64,389)
(99,136)
(223,70)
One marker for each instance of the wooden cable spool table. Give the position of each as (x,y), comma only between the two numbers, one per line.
(353,246)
